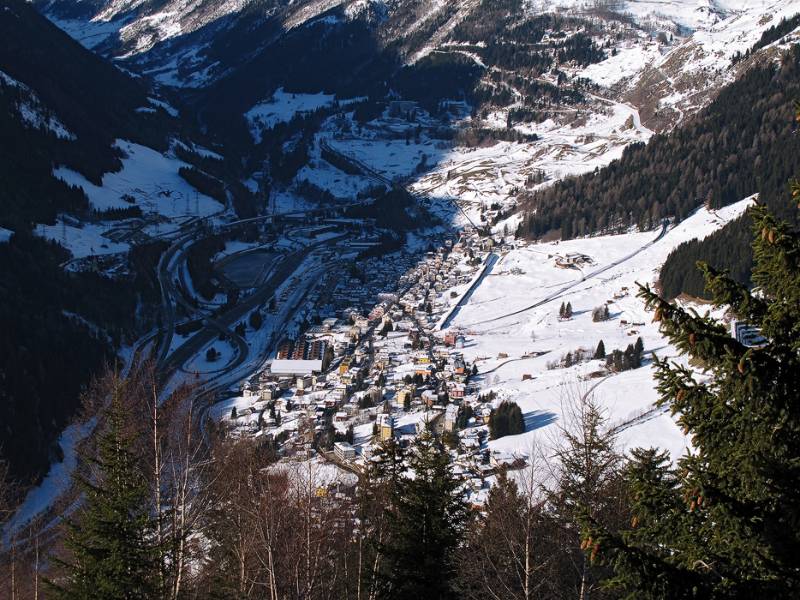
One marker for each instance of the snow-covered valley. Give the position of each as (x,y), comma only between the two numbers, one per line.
(319,311)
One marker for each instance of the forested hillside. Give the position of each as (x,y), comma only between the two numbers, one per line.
(739,145)
(93,100)
(59,105)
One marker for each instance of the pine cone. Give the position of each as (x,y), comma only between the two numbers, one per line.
(771,236)
(681,394)
(657,315)
(692,339)
(634,522)
(741,366)
(595,550)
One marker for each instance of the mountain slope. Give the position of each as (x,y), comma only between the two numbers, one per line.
(740,144)
(60,105)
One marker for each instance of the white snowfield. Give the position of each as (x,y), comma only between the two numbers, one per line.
(495,322)
(32,111)
(83,241)
(690,14)
(281,108)
(150,178)
(693,67)
(55,483)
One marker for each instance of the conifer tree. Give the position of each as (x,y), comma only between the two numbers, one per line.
(426,522)
(375,489)
(506,419)
(112,553)
(639,347)
(726,522)
(601,350)
(589,485)
(508,549)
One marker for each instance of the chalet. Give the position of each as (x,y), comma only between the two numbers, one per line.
(574,259)
(402,108)
(375,394)
(421,358)
(406,394)
(499,458)
(338,394)
(268,391)
(433,420)
(459,367)
(424,370)
(456,391)
(430,398)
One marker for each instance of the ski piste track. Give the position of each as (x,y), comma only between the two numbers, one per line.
(491,261)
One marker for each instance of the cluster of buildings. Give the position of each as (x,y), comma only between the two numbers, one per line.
(382,371)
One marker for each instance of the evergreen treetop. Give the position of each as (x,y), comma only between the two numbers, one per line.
(426,524)
(725,523)
(111,543)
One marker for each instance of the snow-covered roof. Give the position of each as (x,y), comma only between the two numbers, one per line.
(295,367)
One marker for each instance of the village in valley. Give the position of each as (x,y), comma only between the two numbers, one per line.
(353,380)
(472,334)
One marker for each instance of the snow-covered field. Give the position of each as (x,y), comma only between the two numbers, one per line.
(281,108)
(86,240)
(393,158)
(628,61)
(151,179)
(57,480)
(496,321)
(324,176)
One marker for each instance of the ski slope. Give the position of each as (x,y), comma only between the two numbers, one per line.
(499,318)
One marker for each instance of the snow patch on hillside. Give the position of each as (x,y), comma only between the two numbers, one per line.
(503,343)
(629,61)
(55,483)
(281,108)
(82,241)
(480,177)
(33,112)
(147,177)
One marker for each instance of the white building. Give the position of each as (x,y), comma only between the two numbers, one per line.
(295,368)
(344,451)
